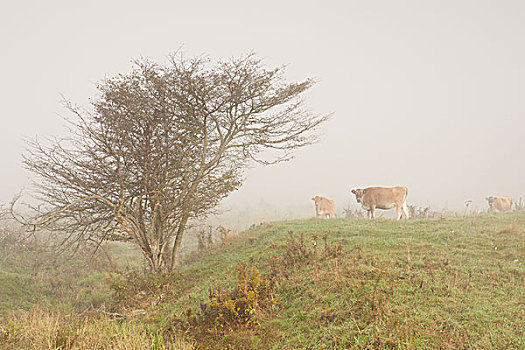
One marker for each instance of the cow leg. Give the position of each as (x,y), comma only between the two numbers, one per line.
(405,211)
(373,212)
(398,212)
(369,214)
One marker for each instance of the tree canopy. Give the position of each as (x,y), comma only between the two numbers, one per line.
(163,145)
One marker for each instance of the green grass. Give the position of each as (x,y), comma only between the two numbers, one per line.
(443,283)
(450,283)
(33,276)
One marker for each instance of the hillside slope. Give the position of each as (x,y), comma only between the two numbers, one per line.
(442,283)
(449,283)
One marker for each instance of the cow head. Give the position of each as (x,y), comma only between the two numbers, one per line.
(358,194)
(491,201)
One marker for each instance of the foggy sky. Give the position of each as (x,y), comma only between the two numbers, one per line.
(425,94)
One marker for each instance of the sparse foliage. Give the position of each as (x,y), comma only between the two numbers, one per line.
(208,236)
(418,212)
(204,238)
(299,252)
(353,214)
(225,234)
(164,145)
(519,205)
(467,205)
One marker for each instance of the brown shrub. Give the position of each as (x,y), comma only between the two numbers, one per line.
(353,214)
(299,252)
(136,290)
(204,238)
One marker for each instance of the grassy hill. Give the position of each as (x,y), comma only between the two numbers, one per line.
(448,283)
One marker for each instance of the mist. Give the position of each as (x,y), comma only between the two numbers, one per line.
(427,95)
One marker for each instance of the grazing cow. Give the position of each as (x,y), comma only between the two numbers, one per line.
(324,207)
(373,198)
(499,204)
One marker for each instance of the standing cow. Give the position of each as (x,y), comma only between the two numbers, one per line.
(324,207)
(373,198)
(499,204)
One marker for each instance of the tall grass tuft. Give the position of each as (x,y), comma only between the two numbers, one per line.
(40,329)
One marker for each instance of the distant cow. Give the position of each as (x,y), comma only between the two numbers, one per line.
(499,204)
(382,198)
(324,207)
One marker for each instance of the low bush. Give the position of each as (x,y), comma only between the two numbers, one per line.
(136,290)
(249,301)
(230,319)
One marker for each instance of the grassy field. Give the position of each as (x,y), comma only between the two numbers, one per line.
(448,283)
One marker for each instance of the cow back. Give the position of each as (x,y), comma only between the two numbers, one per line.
(499,204)
(324,205)
(384,197)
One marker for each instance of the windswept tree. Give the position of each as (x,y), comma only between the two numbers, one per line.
(163,145)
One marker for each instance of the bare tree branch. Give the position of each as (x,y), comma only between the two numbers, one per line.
(163,145)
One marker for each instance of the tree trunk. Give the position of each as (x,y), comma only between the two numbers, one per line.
(175,254)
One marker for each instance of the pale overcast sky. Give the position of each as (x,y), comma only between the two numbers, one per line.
(425,94)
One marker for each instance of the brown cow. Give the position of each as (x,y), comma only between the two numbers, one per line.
(382,198)
(324,207)
(499,204)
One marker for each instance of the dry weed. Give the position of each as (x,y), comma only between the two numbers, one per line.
(40,329)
